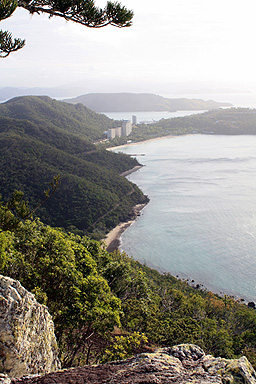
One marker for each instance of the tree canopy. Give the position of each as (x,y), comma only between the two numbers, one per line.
(84,12)
(107,306)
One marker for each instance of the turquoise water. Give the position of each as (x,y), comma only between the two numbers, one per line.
(200,223)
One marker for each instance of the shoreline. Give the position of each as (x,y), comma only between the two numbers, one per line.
(144,141)
(134,169)
(112,239)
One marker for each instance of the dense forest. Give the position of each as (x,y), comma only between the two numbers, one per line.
(41,138)
(105,306)
(108,306)
(133,102)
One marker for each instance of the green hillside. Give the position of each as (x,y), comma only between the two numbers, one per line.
(233,121)
(41,138)
(127,102)
(48,113)
(108,306)
(104,306)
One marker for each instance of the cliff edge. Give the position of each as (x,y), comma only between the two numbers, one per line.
(27,339)
(182,364)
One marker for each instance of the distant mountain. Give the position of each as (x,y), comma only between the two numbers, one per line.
(7,93)
(135,102)
(41,138)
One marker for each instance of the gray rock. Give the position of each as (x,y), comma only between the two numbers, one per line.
(27,341)
(182,364)
(4,379)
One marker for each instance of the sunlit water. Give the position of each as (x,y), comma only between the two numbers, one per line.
(201,220)
(149,116)
(236,99)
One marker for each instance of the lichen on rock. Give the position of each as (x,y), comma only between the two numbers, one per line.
(27,341)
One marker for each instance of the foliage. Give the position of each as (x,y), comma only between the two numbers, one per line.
(7,44)
(123,346)
(41,138)
(63,275)
(13,211)
(169,311)
(233,121)
(84,12)
(107,306)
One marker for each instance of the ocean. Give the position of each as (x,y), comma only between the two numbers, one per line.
(200,223)
(149,116)
(247,100)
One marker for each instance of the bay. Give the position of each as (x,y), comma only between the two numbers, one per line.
(200,223)
(242,99)
(149,116)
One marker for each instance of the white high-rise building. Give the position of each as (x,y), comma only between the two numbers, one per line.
(111,133)
(126,128)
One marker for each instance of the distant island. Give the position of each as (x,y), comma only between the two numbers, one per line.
(127,102)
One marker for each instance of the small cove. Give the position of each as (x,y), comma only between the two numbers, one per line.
(200,223)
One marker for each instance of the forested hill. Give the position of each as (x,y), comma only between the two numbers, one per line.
(126,102)
(49,113)
(41,138)
(233,121)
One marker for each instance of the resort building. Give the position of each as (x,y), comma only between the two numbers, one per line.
(125,130)
(111,133)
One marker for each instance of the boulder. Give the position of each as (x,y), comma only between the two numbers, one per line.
(182,364)
(27,340)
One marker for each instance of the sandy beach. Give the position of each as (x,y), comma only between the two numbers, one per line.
(140,142)
(112,239)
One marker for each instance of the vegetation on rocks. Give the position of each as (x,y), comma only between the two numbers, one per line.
(107,306)
(104,305)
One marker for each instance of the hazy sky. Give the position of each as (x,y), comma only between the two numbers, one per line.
(179,41)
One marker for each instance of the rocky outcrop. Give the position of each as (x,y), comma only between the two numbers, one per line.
(27,340)
(182,364)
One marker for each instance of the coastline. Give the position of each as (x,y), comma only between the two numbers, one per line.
(112,243)
(134,169)
(143,141)
(112,239)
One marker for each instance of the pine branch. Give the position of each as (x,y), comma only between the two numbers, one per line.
(82,11)
(8,44)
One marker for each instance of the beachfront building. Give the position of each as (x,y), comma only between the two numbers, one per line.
(125,130)
(118,131)
(134,120)
(111,133)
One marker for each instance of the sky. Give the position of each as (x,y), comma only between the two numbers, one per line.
(173,46)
